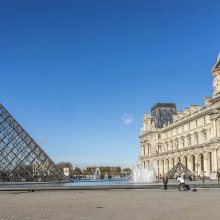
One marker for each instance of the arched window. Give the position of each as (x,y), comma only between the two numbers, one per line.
(210,161)
(172,160)
(163,166)
(193,163)
(186,162)
(202,162)
(168,165)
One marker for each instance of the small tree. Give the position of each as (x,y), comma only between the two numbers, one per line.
(77,171)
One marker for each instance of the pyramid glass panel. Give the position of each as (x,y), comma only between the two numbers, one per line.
(21,158)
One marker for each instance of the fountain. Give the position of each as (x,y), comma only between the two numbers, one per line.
(143,175)
(139,175)
(97,174)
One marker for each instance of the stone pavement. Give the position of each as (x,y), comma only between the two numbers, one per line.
(111,205)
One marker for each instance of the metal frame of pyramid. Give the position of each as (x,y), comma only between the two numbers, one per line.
(179,169)
(21,158)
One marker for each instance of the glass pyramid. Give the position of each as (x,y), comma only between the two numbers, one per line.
(21,158)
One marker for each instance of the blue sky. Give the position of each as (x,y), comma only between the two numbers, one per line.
(79,75)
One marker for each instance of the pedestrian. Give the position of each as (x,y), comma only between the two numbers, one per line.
(165,182)
(182,183)
(218,175)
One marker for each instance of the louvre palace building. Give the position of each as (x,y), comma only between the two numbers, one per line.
(191,136)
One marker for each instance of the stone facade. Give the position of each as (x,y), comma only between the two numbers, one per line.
(191,136)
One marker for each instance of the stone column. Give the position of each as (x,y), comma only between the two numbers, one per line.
(206,163)
(200,164)
(214,127)
(197,167)
(213,119)
(155,165)
(214,163)
(170,164)
(209,163)
(218,159)
(218,127)
(190,163)
(167,166)
(214,155)
(214,160)
(160,167)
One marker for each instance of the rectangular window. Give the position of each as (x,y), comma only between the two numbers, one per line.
(159,148)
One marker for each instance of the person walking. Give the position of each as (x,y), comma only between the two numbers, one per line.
(182,183)
(165,182)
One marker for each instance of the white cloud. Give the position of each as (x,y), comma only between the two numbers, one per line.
(127,119)
(41,141)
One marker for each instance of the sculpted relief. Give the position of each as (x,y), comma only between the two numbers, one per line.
(148,123)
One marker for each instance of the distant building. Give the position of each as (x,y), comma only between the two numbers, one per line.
(191,137)
(66,171)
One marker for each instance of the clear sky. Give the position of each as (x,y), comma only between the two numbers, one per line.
(79,74)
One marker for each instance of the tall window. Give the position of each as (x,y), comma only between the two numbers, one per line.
(159,148)
(158,168)
(189,140)
(177,144)
(163,166)
(193,163)
(173,163)
(202,162)
(186,162)
(197,139)
(171,145)
(183,142)
(143,149)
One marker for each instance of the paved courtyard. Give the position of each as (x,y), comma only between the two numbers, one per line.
(111,205)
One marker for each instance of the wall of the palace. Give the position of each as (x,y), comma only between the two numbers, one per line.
(193,138)
(194,142)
